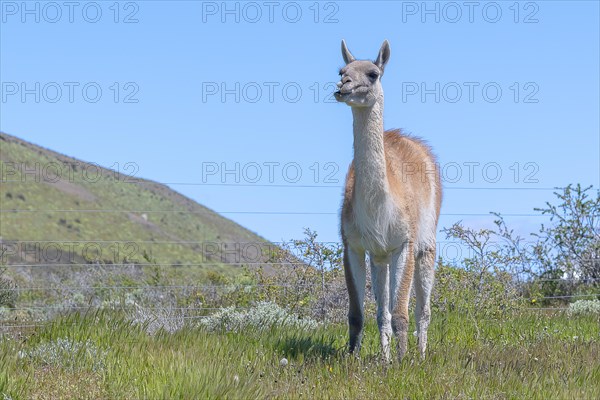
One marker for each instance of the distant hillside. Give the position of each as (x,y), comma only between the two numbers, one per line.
(55,209)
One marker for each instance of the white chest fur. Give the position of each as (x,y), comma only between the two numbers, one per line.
(375,226)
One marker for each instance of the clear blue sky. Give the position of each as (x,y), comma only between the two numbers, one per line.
(174,58)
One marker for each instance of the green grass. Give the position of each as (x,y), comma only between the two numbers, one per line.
(531,355)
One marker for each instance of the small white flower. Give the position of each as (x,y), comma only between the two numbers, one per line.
(283,362)
(415,333)
(236,379)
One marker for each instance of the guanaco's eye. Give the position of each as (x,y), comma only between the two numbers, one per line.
(373,75)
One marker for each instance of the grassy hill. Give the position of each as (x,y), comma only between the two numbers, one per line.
(67,215)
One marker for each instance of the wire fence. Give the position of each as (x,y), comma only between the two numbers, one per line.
(189,312)
(335,213)
(137,181)
(230,287)
(94,291)
(53,298)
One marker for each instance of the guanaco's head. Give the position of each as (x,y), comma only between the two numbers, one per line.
(360,80)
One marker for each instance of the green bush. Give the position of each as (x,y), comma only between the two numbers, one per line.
(570,246)
(475,292)
(484,283)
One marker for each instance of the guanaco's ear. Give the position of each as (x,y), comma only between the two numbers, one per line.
(348,57)
(384,55)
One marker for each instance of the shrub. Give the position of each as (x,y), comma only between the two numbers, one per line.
(153,320)
(584,307)
(8,294)
(67,354)
(263,316)
(474,292)
(571,246)
(306,277)
(126,301)
(562,260)
(486,282)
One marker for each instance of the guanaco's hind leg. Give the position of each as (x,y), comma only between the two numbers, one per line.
(403,265)
(424,278)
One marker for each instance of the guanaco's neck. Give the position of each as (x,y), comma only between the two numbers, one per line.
(371,182)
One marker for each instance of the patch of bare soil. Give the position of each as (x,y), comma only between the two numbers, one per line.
(72,189)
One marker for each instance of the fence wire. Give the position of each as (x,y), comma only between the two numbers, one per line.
(199,311)
(179,312)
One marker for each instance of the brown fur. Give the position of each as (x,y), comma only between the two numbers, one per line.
(409,180)
(402,152)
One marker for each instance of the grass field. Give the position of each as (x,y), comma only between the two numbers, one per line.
(530,355)
(143,336)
